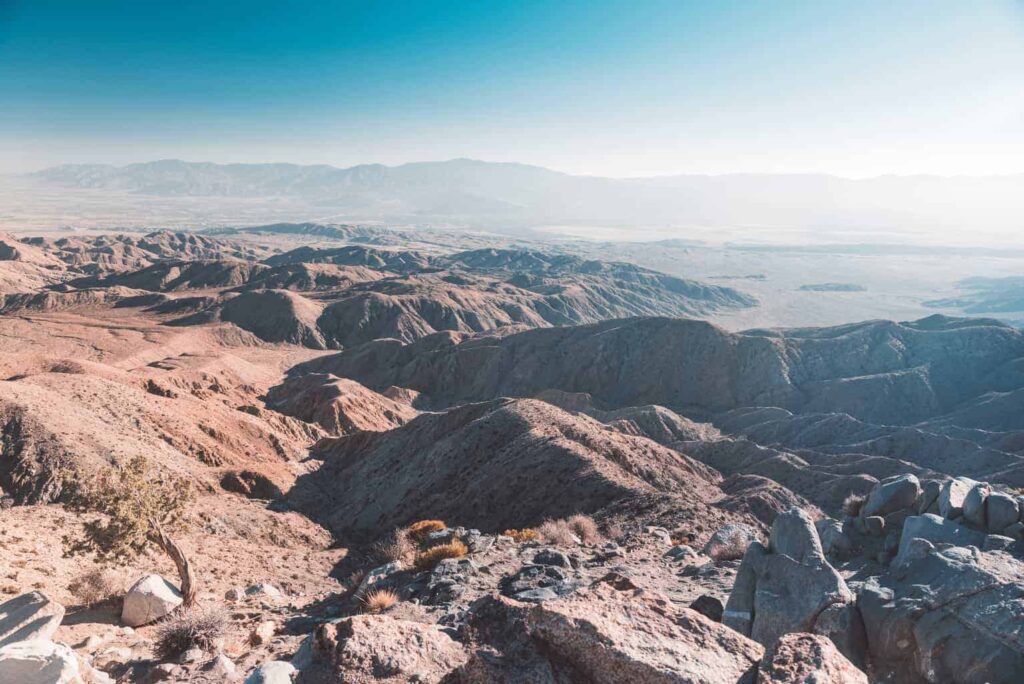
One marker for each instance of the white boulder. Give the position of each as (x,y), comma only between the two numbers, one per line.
(274,672)
(149,599)
(38,661)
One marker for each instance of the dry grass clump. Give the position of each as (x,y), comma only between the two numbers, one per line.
(378,600)
(584,527)
(96,586)
(418,531)
(524,535)
(853,503)
(732,548)
(426,560)
(197,628)
(394,547)
(557,532)
(614,530)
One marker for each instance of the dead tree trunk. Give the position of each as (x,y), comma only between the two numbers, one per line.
(181,561)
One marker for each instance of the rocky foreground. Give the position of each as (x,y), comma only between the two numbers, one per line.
(920,582)
(480,473)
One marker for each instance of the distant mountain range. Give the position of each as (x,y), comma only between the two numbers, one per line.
(517,194)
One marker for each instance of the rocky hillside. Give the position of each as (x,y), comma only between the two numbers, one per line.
(496,465)
(880,371)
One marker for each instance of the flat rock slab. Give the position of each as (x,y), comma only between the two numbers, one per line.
(937,531)
(616,636)
(29,616)
(951,614)
(368,647)
(38,661)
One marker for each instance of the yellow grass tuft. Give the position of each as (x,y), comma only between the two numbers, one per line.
(524,535)
(426,560)
(378,600)
(418,531)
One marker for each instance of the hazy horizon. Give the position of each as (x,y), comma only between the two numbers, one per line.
(413,162)
(605,89)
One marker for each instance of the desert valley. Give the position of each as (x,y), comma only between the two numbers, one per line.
(360,454)
(507,342)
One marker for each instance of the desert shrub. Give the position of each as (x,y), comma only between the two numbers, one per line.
(853,503)
(524,535)
(614,530)
(95,586)
(378,600)
(396,546)
(141,508)
(557,532)
(426,560)
(196,628)
(418,531)
(584,527)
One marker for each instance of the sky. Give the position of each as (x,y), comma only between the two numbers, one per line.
(632,88)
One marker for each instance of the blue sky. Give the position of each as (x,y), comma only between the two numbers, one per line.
(645,87)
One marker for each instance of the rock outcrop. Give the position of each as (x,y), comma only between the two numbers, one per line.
(377,647)
(948,614)
(802,658)
(788,586)
(605,636)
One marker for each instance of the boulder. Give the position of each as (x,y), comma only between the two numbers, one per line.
(659,533)
(952,495)
(709,606)
(1015,531)
(793,534)
(265,590)
(891,495)
(274,672)
(974,505)
(681,552)
(951,614)
(38,661)
(604,636)
(377,577)
(447,581)
(221,666)
(790,587)
(29,616)
(149,599)
(874,525)
(937,531)
(369,647)
(263,633)
(928,502)
(808,659)
(834,541)
(730,542)
(552,557)
(1001,511)
(997,542)
(538,582)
